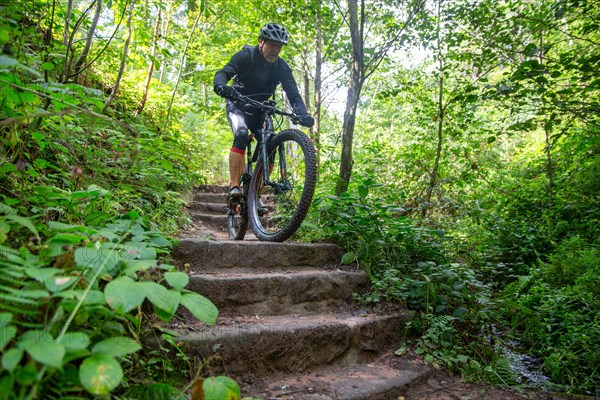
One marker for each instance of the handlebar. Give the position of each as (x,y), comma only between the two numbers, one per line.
(268,106)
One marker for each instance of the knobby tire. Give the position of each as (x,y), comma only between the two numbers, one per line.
(237,220)
(302,179)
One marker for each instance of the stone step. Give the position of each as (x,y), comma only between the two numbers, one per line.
(210,256)
(212,189)
(209,198)
(215,221)
(278,293)
(373,381)
(209,208)
(260,346)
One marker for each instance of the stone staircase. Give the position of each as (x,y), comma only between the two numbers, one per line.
(288,327)
(208,210)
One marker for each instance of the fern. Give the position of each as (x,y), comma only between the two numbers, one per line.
(504,372)
(19,292)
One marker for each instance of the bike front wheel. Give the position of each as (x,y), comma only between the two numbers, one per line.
(287,197)
(237,214)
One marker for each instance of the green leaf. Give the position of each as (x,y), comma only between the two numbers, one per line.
(91,257)
(66,238)
(74,341)
(201,307)
(363,191)
(5,318)
(221,388)
(100,374)
(7,333)
(43,348)
(58,283)
(177,280)
(123,294)
(6,168)
(61,226)
(94,297)
(11,359)
(140,265)
(41,274)
(163,298)
(47,66)
(25,222)
(28,374)
(401,351)
(348,258)
(116,346)
(460,311)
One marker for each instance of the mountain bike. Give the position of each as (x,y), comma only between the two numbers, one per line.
(279,178)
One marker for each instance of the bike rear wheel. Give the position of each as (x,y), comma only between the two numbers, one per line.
(294,178)
(237,216)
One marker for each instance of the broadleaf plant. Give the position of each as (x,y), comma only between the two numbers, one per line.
(64,289)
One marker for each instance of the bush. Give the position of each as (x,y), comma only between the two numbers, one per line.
(555,312)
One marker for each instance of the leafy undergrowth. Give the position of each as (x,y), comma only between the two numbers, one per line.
(466,314)
(74,299)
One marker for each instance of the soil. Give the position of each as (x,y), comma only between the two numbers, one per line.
(439,385)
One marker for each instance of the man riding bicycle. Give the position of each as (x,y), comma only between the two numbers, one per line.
(256,72)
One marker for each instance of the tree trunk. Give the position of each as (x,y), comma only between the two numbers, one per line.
(69,55)
(151,67)
(306,84)
(164,128)
(354,88)
(88,43)
(48,44)
(316,129)
(113,93)
(440,128)
(165,31)
(67,22)
(547,132)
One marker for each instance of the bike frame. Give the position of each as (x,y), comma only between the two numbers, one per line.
(267,132)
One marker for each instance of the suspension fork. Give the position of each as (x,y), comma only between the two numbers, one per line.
(267,135)
(248,168)
(282,164)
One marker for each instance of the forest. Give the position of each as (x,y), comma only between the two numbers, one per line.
(458,146)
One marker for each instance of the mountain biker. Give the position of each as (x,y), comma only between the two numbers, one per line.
(256,72)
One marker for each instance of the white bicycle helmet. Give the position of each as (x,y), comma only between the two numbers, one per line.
(274,32)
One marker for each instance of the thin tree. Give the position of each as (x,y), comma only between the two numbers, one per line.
(88,42)
(181,64)
(360,71)
(152,62)
(316,129)
(113,93)
(433,177)
(357,79)
(69,44)
(67,22)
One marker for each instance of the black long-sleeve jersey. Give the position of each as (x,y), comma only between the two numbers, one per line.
(254,76)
